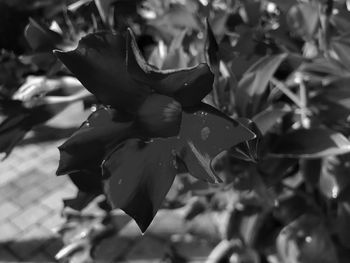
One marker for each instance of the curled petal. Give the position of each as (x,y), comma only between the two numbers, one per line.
(188,86)
(88,145)
(205,132)
(41,38)
(99,63)
(139,177)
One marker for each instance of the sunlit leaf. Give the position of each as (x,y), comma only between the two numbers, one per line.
(254,83)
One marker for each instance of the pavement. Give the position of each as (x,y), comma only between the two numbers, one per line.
(31,194)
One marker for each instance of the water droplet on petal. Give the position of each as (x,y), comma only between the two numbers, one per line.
(87,124)
(205,133)
(335,192)
(308,239)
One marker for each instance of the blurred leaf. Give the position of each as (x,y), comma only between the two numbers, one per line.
(341,46)
(303,19)
(306,240)
(254,84)
(269,117)
(342,223)
(103,7)
(335,175)
(310,143)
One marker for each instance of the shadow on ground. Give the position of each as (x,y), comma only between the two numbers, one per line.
(31,250)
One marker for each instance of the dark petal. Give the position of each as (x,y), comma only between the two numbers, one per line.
(212,49)
(88,145)
(139,177)
(188,86)
(88,181)
(99,63)
(205,132)
(159,116)
(41,38)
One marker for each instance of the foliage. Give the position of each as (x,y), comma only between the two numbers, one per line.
(250,97)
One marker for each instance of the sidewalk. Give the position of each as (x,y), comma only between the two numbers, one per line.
(31,197)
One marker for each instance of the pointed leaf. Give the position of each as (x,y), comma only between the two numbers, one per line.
(341,46)
(139,177)
(310,143)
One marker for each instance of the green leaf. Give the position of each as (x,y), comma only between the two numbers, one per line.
(139,177)
(341,47)
(304,19)
(310,143)
(254,83)
(342,223)
(306,240)
(268,118)
(334,175)
(103,7)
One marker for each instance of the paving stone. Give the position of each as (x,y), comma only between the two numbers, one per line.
(30,195)
(30,216)
(9,190)
(7,175)
(7,209)
(8,231)
(29,242)
(53,220)
(54,199)
(29,178)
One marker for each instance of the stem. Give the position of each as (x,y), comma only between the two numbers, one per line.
(305,122)
(280,85)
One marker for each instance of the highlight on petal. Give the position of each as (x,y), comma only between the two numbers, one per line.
(159,116)
(188,86)
(99,63)
(88,145)
(41,38)
(140,175)
(205,132)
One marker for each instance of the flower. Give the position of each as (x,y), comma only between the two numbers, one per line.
(153,122)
